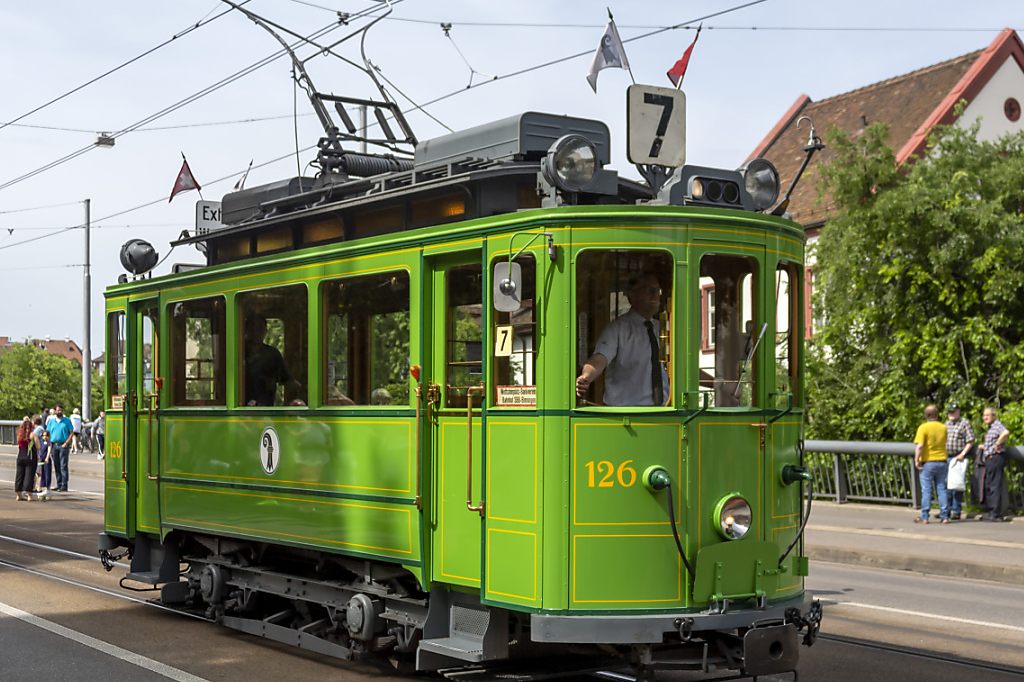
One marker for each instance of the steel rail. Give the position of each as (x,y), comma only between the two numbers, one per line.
(917,653)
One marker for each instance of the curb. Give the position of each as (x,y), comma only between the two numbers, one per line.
(1013,575)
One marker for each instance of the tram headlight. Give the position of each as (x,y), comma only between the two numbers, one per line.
(762,183)
(733,517)
(571,163)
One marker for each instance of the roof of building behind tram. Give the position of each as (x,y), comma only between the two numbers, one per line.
(911,105)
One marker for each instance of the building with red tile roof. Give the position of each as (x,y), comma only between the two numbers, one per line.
(991,81)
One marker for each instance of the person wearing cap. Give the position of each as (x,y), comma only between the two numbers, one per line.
(993,456)
(959,443)
(930,460)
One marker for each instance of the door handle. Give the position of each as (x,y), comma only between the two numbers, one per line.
(151,399)
(469,451)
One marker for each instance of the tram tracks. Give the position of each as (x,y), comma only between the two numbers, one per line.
(481,674)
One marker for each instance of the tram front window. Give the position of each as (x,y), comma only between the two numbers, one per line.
(273,325)
(728,365)
(624,323)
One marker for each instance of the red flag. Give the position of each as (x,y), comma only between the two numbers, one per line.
(185,180)
(678,70)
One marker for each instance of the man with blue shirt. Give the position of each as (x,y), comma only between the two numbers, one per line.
(61,433)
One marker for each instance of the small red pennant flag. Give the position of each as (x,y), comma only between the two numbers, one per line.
(678,70)
(185,180)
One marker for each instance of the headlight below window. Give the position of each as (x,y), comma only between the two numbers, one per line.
(734,517)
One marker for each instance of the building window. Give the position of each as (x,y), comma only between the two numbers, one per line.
(366,350)
(707,307)
(1011,107)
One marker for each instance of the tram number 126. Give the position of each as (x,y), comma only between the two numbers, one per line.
(604,474)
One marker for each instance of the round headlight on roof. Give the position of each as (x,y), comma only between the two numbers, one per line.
(571,163)
(762,183)
(733,517)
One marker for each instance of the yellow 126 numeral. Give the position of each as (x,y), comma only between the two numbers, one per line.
(604,474)
(114,449)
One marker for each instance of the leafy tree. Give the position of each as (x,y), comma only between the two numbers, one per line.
(919,285)
(31,378)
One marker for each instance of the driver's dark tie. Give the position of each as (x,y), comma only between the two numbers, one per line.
(657,389)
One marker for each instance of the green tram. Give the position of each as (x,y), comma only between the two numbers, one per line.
(356,428)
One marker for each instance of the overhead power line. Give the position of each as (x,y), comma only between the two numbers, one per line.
(446,96)
(202,22)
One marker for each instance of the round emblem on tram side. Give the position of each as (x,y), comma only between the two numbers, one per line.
(270,450)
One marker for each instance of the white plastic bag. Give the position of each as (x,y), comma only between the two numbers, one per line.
(956,477)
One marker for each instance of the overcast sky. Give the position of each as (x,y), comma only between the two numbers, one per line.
(739,83)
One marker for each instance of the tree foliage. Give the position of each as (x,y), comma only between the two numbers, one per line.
(31,378)
(919,286)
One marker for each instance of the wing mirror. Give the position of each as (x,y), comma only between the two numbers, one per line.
(508,286)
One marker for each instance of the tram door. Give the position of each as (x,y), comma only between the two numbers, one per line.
(453,380)
(141,413)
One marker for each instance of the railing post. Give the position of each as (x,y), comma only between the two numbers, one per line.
(842,485)
(915,484)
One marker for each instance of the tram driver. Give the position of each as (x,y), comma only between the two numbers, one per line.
(628,351)
(264,366)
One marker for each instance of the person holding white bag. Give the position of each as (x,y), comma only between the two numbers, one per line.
(959,442)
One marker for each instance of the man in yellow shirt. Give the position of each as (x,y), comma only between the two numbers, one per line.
(930,460)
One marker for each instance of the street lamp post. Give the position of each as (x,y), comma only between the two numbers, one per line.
(87,343)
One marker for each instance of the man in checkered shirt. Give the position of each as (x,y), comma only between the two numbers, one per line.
(959,442)
(993,456)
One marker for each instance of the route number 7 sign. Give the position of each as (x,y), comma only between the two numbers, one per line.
(656,125)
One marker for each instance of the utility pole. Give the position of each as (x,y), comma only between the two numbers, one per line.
(87,343)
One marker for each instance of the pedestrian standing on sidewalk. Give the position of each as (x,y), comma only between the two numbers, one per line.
(959,443)
(99,430)
(930,460)
(45,462)
(76,428)
(61,434)
(25,474)
(993,456)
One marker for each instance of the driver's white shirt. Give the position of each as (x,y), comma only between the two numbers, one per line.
(627,379)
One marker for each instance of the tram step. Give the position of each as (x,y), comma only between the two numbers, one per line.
(462,647)
(145,577)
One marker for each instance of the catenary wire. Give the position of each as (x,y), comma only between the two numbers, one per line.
(446,96)
(186,101)
(202,22)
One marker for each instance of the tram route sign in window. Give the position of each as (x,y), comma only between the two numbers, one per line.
(656,125)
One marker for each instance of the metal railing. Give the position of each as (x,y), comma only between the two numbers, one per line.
(860,471)
(9,433)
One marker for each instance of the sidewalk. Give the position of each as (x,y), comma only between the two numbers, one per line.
(887,537)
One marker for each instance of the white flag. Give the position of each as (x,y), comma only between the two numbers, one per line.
(609,54)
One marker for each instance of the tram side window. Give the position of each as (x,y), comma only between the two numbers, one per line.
(274,331)
(463,335)
(117,378)
(624,328)
(365,357)
(728,372)
(787,327)
(198,352)
(515,350)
